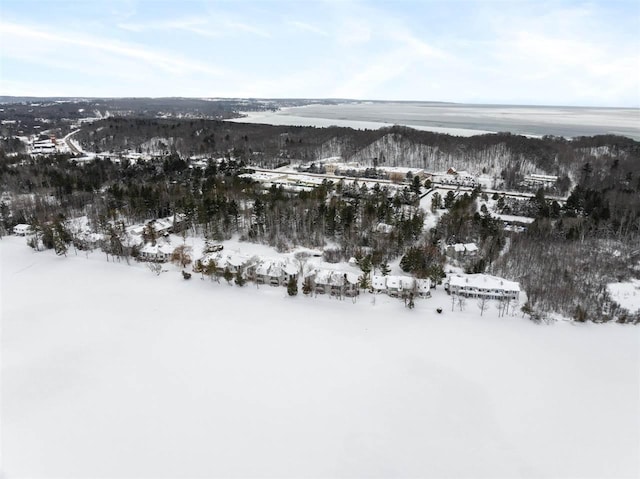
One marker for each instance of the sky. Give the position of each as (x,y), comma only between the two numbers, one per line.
(498,52)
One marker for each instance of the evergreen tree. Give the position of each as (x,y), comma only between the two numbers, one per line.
(227,275)
(211,270)
(292,287)
(306,286)
(385,269)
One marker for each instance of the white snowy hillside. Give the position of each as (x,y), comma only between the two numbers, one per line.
(109,371)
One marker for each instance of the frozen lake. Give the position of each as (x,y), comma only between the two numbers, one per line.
(461,119)
(111,371)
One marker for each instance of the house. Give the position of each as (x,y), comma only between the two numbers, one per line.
(21,230)
(470,249)
(321,281)
(384,228)
(461,250)
(378,283)
(89,240)
(424,287)
(344,284)
(158,253)
(233,261)
(482,286)
(260,273)
(268,272)
(400,285)
(290,269)
(335,283)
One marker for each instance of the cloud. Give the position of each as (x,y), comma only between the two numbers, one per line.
(306,27)
(245,28)
(28,37)
(208,26)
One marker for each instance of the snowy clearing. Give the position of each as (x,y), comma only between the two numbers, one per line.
(110,371)
(626,294)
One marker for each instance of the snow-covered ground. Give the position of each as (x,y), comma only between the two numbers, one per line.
(111,371)
(626,294)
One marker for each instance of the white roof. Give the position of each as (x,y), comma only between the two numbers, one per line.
(400,281)
(484,281)
(22,228)
(352,278)
(157,249)
(378,282)
(237,259)
(335,278)
(323,276)
(470,247)
(291,267)
(423,284)
(384,228)
(263,268)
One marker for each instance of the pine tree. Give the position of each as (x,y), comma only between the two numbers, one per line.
(306,286)
(385,269)
(211,270)
(240,280)
(292,287)
(227,275)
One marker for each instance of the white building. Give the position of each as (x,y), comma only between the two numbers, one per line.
(545,181)
(482,286)
(400,285)
(378,283)
(43,147)
(21,230)
(336,283)
(424,287)
(158,253)
(460,250)
(274,272)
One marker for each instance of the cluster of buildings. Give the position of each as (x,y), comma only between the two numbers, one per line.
(401,286)
(289,181)
(43,147)
(274,272)
(278,272)
(454,178)
(297,181)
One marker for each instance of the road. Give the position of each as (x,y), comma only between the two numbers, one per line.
(70,145)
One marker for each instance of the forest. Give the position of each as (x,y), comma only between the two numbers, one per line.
(563,260)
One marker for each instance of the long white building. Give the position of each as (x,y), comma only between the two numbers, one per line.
(482,286)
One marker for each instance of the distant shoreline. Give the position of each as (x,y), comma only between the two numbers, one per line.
(459,119)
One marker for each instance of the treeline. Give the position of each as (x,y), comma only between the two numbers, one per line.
(27,115)
(216,201)
(568,255)
(503,154)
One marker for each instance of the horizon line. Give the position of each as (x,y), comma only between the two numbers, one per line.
(325,99)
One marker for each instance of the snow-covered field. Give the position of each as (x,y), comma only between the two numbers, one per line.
(111,371)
